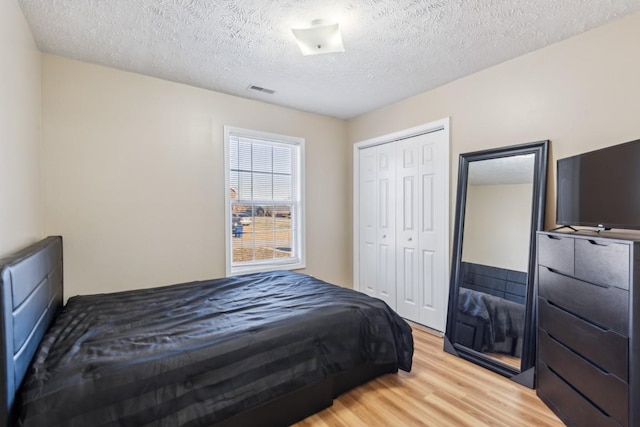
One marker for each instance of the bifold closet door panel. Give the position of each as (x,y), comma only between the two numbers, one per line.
(407,243)
(367,221)
(377,253)
(386,223)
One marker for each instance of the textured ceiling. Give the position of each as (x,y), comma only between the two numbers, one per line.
(394,49)
(502,170)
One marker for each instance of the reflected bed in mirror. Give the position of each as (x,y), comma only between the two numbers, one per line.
(500,206)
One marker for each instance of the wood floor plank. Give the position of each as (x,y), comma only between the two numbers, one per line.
(441,390)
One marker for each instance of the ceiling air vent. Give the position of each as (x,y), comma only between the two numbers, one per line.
(262,89)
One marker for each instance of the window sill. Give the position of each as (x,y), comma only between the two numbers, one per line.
(259,268)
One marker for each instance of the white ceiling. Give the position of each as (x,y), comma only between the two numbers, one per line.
(502,170)
(394,49)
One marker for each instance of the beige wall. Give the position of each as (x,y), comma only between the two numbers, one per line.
(496,226)
(132,165)
(21,217)
(133,172)
(582,94)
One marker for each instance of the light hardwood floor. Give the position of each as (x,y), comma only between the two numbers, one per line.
(441,390)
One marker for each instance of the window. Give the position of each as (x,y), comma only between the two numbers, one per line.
(264,204)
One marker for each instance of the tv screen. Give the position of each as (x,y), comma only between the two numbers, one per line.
(600,188)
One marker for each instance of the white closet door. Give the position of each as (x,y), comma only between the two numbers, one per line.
(377,223)
(433,230)
(407,260)
(422,257)
(386,268)
(403,217)
(367,225)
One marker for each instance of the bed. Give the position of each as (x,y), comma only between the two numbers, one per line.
(260,349)
(488,323)
(491,309)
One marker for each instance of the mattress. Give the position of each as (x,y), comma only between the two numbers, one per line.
(197,353)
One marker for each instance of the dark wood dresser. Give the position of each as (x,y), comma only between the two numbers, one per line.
(588,369)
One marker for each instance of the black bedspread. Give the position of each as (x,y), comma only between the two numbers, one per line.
(196,353)
(503,320)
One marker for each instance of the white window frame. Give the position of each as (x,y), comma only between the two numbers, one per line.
(298,261)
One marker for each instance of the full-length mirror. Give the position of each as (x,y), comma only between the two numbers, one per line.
(500,206)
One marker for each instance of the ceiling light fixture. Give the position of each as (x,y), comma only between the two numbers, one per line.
(319,38)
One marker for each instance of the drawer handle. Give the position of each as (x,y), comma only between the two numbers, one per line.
(551,270)
(553,237)
(561,344)
(593,242)
(603,329)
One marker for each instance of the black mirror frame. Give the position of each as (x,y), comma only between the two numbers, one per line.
(526,374)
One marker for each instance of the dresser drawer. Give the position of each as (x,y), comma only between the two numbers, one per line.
(602,262)
(556,252)
(605,306)
(570,406)
(605,348)
(606,391)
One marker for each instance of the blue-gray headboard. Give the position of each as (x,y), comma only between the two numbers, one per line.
(31,296)
(508,284)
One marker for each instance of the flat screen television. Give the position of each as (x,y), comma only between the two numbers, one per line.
(600,188)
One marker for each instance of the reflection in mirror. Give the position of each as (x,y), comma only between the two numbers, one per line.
(492,293)
(500,206)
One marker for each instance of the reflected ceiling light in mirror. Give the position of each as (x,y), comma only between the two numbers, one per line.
(319,38)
